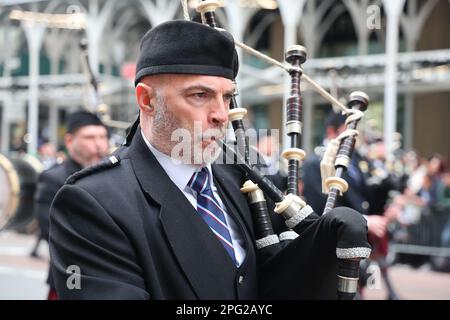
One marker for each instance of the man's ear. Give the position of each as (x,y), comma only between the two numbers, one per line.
(144,96)
(68,140)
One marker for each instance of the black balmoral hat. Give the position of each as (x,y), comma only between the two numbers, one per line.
(82,118)
(186,47)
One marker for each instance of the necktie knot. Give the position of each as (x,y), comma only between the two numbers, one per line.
(199,181)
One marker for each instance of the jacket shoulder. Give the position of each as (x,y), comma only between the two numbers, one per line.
(56,173)
(106,164)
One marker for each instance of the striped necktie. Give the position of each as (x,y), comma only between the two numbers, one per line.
(210,210)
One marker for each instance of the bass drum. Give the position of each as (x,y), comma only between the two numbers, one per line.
(18,180)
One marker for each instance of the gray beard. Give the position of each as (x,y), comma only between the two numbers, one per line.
(164,124)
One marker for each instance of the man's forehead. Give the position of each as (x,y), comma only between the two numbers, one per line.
(212,82)
(184,82)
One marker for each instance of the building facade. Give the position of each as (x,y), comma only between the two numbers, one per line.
(398,52)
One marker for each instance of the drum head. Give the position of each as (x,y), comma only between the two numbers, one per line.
(18,179)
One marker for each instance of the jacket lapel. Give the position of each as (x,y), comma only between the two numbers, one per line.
(227,179)
(202,257)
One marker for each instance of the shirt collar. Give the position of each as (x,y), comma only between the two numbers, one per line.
(179,173)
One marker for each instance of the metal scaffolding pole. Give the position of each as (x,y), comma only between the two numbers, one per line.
(291,12)
(393,11)
(34,33)
(53,123)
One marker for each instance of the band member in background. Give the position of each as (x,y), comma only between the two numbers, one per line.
(86,142)
(274,167)
(359,196)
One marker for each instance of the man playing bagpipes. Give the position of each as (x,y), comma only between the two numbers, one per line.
(159,221)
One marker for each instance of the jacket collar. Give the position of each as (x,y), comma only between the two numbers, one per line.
(72,166)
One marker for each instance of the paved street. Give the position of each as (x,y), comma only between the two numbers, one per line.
(23,277)
(414,284)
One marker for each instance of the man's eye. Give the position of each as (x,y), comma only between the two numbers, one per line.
(200,95)
(228,97)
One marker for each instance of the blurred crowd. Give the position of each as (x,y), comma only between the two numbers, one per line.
(423,197)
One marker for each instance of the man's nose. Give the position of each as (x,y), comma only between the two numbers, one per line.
(219,113)
(100,143)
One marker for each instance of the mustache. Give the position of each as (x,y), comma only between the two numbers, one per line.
(211,134)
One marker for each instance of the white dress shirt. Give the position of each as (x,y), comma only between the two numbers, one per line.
(180,174)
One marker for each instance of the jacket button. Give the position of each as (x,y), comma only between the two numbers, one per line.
(241,280)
